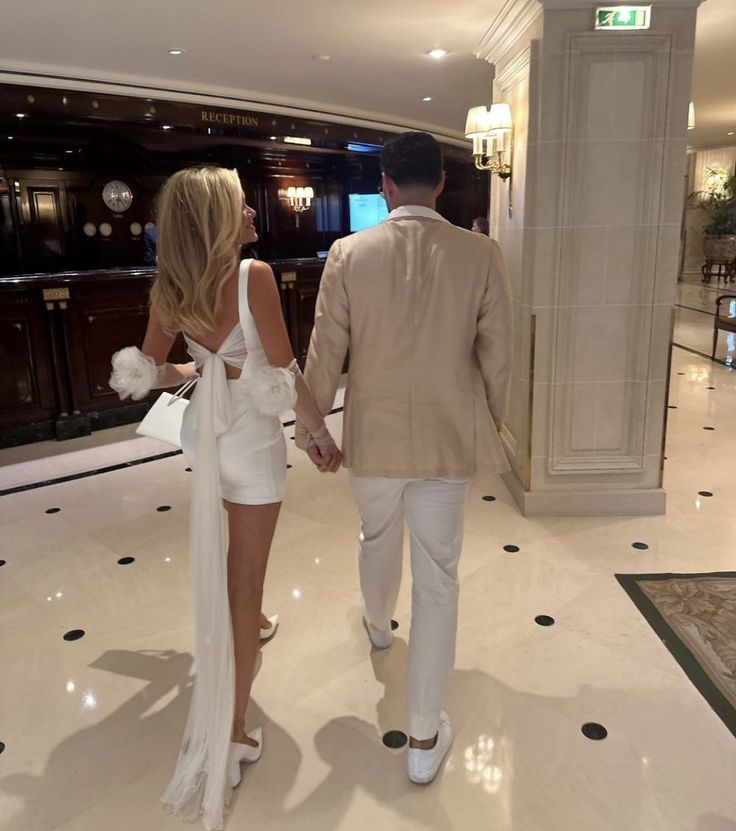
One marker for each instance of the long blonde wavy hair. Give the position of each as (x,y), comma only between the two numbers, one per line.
(199,218)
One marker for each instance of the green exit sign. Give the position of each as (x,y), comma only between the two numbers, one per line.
(623,17)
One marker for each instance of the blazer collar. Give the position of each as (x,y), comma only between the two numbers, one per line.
(406,211)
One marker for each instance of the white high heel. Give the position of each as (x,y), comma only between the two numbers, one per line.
(243,753)
(267,634)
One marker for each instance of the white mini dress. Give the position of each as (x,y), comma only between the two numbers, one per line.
(251,452)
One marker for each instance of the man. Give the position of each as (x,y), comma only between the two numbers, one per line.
(424,309)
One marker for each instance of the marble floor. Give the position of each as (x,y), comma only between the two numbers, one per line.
(90,727)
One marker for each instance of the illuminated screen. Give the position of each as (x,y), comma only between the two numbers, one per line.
(366,210)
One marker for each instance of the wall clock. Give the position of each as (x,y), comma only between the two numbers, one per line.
(117,196)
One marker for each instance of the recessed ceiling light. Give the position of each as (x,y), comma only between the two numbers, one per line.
(68,151)
(321,57)
(427,98)
(273,138)
(166,127)
(731,133)
(437,53)
(176,51)
(10,138)
(21,115)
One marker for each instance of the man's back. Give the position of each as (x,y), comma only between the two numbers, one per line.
(426,308)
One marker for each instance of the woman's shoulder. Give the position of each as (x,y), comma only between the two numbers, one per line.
(259,271)
(261,280)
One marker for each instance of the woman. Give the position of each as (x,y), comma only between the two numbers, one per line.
(230,315)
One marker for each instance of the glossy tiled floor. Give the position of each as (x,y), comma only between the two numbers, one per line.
(91,727)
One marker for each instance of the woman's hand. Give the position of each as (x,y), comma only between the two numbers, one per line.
(327,460)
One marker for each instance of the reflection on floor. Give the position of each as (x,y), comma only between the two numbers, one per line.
(91,726)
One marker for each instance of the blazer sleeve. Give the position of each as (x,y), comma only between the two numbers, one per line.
(493,338)
(328,344)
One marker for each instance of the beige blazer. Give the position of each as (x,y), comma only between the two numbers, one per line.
(424,308)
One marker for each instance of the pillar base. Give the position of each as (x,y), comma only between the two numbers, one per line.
(609,502)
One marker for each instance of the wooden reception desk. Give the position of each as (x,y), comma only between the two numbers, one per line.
(59,331)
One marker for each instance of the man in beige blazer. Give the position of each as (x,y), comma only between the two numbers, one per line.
(424,310)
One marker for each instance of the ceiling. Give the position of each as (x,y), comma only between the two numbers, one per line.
(378,70)
(378,67)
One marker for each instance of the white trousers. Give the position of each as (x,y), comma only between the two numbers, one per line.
(433,509)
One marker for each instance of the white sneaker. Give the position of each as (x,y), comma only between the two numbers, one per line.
(424,765)
(380,638)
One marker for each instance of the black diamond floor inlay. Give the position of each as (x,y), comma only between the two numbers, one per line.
(709,428)
(187,470)
(74,634)
(162,508)
(489,498)
(289,467)
(672,406)
(511,549)
(292,438)
(394,624)
(640,546)
(395,739)
(2,563)
(711,388)
(544,620)
(594,731)
(53,510)
(704,493)
(2,746)
(680,373)
(126,561)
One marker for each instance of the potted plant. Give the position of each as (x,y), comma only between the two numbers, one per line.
(718,203)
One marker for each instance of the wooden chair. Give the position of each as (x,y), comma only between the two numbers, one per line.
(728,324)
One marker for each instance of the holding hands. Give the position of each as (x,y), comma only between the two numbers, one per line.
(323,451)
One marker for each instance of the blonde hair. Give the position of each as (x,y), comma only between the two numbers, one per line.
(199,219)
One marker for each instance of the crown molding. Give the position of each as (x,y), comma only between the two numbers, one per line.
(513,19)
(517,15)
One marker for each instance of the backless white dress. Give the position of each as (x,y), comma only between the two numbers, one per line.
(238,453)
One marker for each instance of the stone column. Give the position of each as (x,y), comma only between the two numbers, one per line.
(593,241)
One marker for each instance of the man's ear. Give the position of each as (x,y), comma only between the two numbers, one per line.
(440,186)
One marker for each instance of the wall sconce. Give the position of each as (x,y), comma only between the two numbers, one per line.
(492,134)
(691,116)
(300,200)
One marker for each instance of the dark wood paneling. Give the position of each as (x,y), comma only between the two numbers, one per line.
(76,142)
(26,381)
(56,352)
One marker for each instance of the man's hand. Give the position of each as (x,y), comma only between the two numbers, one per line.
(328,461)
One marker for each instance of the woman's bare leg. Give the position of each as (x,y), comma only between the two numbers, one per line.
(251,529)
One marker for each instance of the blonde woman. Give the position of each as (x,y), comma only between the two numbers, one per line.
(230,315)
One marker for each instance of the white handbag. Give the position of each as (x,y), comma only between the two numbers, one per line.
(163,420)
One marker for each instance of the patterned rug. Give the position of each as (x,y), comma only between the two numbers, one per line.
(695,616)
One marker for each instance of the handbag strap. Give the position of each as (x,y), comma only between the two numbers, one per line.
(182,389)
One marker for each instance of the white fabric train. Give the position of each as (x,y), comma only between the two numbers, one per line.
(200,785)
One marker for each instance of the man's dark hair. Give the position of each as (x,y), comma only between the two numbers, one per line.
(413,159)
(482,223)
